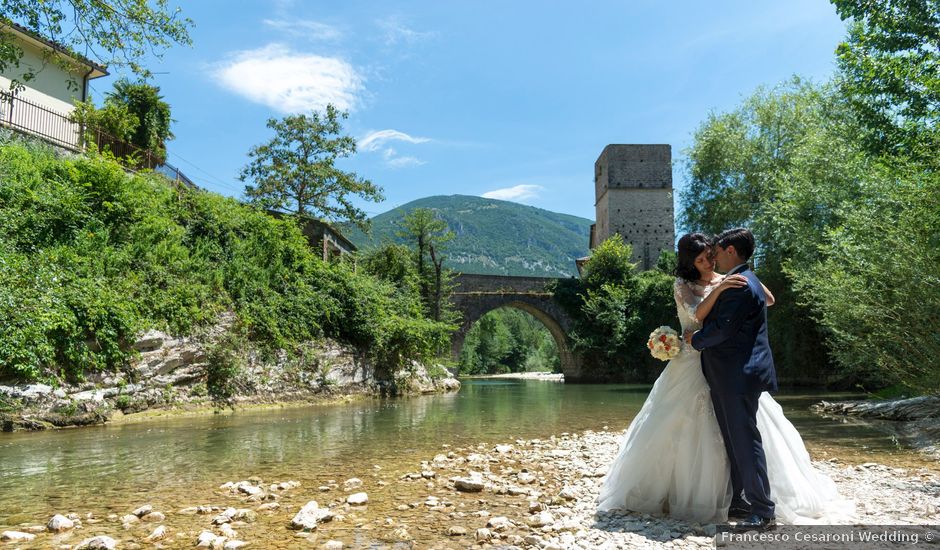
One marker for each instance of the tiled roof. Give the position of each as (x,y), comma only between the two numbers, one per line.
(65,50)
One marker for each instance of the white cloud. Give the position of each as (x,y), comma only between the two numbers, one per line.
(305,28)
(375,140)
(404,162)
(290,82)
(396,31)
(516,193)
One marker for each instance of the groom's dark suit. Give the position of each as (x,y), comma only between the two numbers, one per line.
(738,365)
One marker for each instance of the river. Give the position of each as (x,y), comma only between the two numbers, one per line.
(181,460)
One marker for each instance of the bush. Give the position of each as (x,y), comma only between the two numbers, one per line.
(90,256)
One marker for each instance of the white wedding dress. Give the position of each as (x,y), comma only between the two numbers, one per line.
(673,458)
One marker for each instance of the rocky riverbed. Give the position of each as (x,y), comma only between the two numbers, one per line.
(525,493)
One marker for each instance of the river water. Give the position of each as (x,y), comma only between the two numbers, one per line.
(180,461)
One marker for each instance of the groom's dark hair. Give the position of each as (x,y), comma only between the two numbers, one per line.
(740,238)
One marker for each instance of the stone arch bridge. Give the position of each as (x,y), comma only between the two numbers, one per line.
(476,295)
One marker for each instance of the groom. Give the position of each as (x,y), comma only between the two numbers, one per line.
(738,365)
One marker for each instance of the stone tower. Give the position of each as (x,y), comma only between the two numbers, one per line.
(633,197)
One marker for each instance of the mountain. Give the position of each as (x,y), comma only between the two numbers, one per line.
(494,237)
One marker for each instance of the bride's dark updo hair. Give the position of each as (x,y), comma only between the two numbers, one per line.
(690,246)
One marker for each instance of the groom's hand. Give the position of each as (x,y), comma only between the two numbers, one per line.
(687,336)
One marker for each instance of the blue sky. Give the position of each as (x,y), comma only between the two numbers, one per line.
(513,100)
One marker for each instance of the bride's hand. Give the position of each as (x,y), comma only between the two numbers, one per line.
(732,281)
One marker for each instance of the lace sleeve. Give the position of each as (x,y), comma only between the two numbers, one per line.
(686,299)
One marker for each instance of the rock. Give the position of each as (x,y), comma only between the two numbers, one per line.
(129,518)
(228,532)
(143,510)
(502,449)
(234,544)
(525,478)
(499,523)
(469,484)
(16,536)
(483,534)
(246,515)
(332,545)
(309,516)
(221,519)
(157,534)
(206,538)
(427,474)
(456,531)
(97,543)
(352,483)
(154,517)
(150,341)
(268,507)
(357,499)
(541,519)
(59,523)
(568,493)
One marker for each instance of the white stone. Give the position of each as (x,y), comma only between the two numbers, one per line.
(234,544)
(456,531)
(469,484)
(206,538)
(499,523)
(157,534)
(332,545)
(357,499)
(352,483)
(503,448)
(16,536)
(541,519)
(310,515)
(484,534)
(59,523)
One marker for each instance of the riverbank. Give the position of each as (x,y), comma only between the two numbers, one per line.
(172,376)
(534,494)
(548,376)
(914,421)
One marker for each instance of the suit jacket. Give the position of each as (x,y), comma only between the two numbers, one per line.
(736,356)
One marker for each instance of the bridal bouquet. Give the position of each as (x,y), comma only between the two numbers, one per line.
(664,343)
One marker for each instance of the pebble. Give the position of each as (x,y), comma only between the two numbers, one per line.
(59,523)
(332,545)
(357,499)
(16,536)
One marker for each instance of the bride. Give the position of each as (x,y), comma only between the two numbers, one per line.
(673,458)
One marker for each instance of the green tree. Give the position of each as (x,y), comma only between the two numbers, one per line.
(613,309)
(430,236)
(890,73)
(119,33)
(152,112)
(295,171)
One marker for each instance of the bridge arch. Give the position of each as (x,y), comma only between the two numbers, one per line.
(477,295)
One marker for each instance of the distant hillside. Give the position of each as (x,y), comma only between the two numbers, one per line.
(494,236)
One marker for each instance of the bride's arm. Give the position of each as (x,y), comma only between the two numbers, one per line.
(734,281)
(769,296)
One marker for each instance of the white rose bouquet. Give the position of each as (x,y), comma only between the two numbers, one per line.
(664,343)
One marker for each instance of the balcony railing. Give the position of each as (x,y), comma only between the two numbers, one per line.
(57,128)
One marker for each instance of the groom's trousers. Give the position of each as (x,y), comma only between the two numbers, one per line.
(737,419)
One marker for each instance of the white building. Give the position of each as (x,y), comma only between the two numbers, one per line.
(41,106)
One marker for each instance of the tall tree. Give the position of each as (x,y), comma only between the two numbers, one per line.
(430,235)
(890,72)
(295,171)
(153,114)
(117,33)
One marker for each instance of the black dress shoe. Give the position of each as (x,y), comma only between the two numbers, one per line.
(738,512)
(754,522)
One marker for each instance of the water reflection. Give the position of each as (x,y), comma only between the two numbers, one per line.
(122,465)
